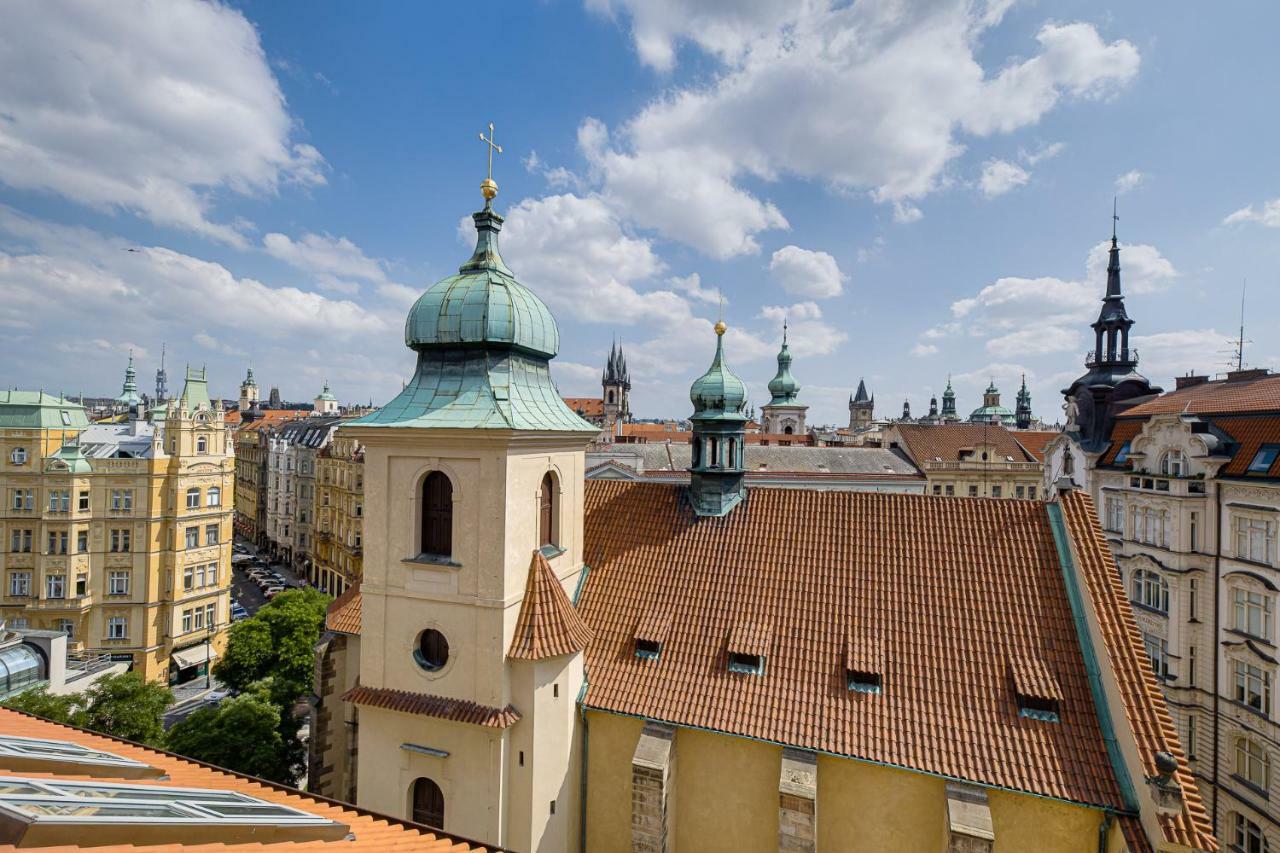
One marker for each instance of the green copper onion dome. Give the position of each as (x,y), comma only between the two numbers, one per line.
(718,393)
(783,387)
(483,305)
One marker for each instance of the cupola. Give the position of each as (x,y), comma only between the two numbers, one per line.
(719,426)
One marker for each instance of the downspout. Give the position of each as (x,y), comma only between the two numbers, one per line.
(1103,829)
(582,785)
(1217,651)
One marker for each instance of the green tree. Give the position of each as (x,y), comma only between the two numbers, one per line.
(242,733)
(278,642)
(125,706)
(42,703)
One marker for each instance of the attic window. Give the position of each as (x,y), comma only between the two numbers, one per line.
(1122,455)
(748,647)
(1264,459)
(864,663)
(1035,689)
(651,633)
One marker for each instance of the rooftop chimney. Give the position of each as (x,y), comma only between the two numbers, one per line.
(1189,380)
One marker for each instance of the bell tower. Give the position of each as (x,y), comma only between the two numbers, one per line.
(861,408)
(470,651)
(719,429)
(784,414)
(616,386)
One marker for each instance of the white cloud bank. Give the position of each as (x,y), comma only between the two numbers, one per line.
(807,273)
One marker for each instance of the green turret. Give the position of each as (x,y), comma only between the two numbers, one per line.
(718,472)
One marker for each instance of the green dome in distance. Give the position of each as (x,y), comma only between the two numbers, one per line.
(483,305)
(718,393)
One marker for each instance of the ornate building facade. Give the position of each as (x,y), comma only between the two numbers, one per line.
(339,529)
(119,534)
(784,413)
(861,409)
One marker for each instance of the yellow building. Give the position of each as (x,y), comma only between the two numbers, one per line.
(119,534)
(338,544)
(556,664)
(251,430)
(973,460)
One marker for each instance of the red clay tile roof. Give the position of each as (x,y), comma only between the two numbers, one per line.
(750,638)
(818,567)
(946,441)
(588,407)
(1031,677)
(1217,397)
(547,625)
(1145,708)
(1122,431)
(344,612)
(1034,441)
(458,710)
(370,831)
(1251,433)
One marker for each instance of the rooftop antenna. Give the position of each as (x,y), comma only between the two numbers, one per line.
(1115,218)
(1240,342)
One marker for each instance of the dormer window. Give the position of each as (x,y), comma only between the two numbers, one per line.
(1264,459)
(1172,464)
(748,647)
(1122,455)
(1035,689)
(651,633)
(864,664)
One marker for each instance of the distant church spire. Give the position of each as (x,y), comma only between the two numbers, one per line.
(719,427)
(1022,413)
(162,378)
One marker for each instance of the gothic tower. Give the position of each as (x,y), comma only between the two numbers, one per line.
(248,392)
(861,408)
(906,410)
(1112,376)
(616,382)
(474,511)
(783,415)
(1023,410)
(719,436)
(162,379)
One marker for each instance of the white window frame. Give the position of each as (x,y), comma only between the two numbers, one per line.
(1150,589)
(118,582)
(18,456)
(1173,463)
(118,628)
(1251,613)
(193,498)
(1247,835)
(1158,653)
(1250,682)
(20,584)
(213,497)
(55,583)
(193,537)
(1253,763)
(1255,539)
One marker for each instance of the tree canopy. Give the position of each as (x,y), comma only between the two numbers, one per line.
(125,706)
(277,642)
(242,733)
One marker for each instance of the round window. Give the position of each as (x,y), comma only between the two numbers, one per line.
(432,652)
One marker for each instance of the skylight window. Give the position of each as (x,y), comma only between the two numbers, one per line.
(39,811)
(22,753)
(1264,459)
(1122,455)
(748,647)
(1035,689)
(648,649)
(864,663)
(748,664)
(651,633)
(864,682)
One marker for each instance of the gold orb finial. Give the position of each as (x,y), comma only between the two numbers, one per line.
(488,188)
(720,327)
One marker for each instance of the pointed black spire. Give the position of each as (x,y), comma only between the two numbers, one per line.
(1111,330)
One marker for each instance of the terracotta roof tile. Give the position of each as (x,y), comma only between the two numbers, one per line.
(1031,677)
(588,407)
(457,710)
(547,625)
(1250,433)
(343,616)
(369,831)
(826,569)
(1034,441)
(1122,431)
(864,652)
(945,442)
(750,638)
(1218,398)
(1145,707)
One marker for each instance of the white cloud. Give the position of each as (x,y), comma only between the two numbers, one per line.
(1267,214)
(905,214)
(1035,316)
(807,334)
(804,272)
(1166,354)
(1129,181)
(1038,156)
(153,108)
(922,350)
(333,257)
(874,94)
(1001,176)
(691,285)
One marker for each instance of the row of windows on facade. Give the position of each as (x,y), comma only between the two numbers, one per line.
(1254,538)
(24,500)
(20,586)
(20,541)
(199,618)
(19,455)
(997,490)
(1173,463)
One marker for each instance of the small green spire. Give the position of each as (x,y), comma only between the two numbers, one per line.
(783,386)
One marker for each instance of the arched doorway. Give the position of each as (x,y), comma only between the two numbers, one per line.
(428,803)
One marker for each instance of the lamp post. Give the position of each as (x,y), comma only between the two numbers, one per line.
(208,654)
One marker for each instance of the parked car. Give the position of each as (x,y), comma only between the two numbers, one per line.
(238,612)
(272,591)
(240,559)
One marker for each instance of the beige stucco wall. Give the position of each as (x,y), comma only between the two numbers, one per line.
(727,799)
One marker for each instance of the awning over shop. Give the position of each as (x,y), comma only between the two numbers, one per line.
(193,656)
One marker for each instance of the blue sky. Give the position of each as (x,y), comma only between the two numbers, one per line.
(921,188)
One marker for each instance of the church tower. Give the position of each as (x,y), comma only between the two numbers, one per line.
(906,410)
(1112,376)
(470,651)
(325,403)
(129,399)
(949,415)
(861,409)
(1022,412)
(248,392)
(719,436)
(783,415)
(162,380)
(616,383)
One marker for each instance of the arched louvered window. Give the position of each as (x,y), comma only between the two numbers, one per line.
(437,515)
(428,803)
(547,515)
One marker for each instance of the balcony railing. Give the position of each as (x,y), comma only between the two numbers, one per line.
(1126,357)
(974,465)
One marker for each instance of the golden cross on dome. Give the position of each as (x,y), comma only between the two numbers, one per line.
(488,187)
